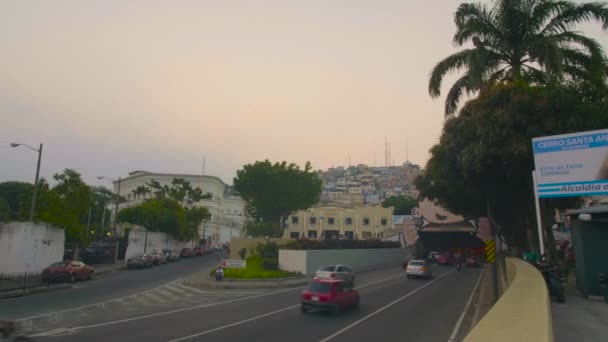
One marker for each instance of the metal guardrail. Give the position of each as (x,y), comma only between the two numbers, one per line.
(20,281)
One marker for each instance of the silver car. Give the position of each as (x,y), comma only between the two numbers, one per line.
(418,268)
(336,272)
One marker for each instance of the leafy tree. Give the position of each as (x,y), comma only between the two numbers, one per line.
(5,211)
(262,229)
(485,154)
(403,204)
(180,190)
(16,197)
(531,40)
(274,191)
(67,204)
(194,218)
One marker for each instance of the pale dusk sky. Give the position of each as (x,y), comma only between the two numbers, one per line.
(115,86)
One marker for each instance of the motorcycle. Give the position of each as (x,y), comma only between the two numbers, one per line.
(554,281)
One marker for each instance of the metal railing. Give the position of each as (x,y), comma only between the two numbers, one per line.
(20,281)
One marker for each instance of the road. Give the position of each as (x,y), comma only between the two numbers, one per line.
(103,288)
(393,308)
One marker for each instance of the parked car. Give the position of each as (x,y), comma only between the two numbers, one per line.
(444,259)
(71,271)
(472,261)
(95,255)
(433,256)
(199,251)
(335,272)
(187,253)
(418,268)
(158,258)
(329,294)
(140,261)
(172,256)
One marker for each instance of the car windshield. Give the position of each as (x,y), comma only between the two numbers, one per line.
(318,287)
(327,268)
(416,263)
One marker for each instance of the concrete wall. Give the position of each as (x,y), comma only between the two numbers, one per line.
(29,247)
(236,243)
(307,262)
(522,313)
(155,241)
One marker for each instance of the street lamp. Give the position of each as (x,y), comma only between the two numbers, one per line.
(39,150)
(115,217)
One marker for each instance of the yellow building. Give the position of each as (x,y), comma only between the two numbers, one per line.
(338,222)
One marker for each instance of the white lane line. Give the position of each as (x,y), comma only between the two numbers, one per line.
(466,308)
(188,288)
(357,322)
(164,313)
(234,324)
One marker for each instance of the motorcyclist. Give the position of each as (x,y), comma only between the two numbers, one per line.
(219,273)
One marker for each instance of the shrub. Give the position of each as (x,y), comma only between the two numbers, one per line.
(270,264)
(268,250)
(242,253)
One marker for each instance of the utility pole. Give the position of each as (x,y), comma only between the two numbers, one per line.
(117,245)
(35,195)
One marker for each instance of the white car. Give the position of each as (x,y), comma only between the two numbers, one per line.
(335,272)
(418,268)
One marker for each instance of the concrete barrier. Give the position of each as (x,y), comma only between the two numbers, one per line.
(308,261)
(522,313)
(29,246)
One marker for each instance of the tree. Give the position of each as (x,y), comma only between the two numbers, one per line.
(262,229)
(529,40)
(16,199)
(403,204)
(274,191)
(180,190)
(484,155)
(67,204)
(194,218)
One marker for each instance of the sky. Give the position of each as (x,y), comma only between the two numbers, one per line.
(114,86)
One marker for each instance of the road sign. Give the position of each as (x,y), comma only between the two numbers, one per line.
(490,251)
(233,263)
(572,164)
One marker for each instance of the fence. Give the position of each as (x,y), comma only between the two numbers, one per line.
(20,281)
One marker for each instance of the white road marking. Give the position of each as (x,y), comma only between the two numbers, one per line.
(357,322)
(466,307)
(234,324)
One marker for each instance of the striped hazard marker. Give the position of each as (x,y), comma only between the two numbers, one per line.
(490,251)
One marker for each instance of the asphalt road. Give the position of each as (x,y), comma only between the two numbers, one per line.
(104,287)
(393,308)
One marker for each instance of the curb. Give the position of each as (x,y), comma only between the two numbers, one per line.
(34,290)
(109,270)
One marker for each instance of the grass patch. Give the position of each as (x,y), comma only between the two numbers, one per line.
(254,270)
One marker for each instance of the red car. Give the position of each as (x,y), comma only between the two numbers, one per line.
(187,253)
(199,251)
(444,259)
(71,271)
(329,294)
(472,261)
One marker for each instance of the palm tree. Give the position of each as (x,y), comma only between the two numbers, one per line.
(521,40)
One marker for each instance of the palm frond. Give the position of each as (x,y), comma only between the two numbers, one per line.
(577,14)
(461,86)
(475,20)
(454,62)
(590,44)
(544,10)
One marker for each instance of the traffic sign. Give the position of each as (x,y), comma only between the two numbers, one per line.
(490,251)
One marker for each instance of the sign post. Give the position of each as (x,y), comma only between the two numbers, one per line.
(569,165)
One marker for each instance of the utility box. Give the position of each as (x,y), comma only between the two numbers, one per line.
(590,241)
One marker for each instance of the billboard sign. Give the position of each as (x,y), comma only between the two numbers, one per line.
(233,263)
(572,164)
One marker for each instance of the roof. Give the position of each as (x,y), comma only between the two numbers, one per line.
(174,175)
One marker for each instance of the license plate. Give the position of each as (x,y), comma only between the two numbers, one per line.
(315,298)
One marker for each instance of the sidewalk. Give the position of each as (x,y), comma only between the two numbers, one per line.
(579,319)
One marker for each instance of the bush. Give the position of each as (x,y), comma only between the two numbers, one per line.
(242,253)
(268,250)
(270,264)
(305,244)
(255,270)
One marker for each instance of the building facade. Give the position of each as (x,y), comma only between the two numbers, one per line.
(335,222)
(227,218)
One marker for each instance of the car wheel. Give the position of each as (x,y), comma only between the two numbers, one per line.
(304,308)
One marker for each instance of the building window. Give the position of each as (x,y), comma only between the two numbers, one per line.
(383,221)
(312,234)
(312,220)
(349,235)
(331,220)
(294,235)
(366,221)
(348,221)
(294,219)
(366,235)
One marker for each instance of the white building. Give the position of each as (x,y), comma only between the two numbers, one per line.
(227,212)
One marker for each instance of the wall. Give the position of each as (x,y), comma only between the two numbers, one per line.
(307,262)
(236,243)
(522,313)
(155,241)
(29,247)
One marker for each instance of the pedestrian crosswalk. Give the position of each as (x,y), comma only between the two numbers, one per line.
(171,296)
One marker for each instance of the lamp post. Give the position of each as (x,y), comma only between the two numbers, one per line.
(39,150)
(114,233)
